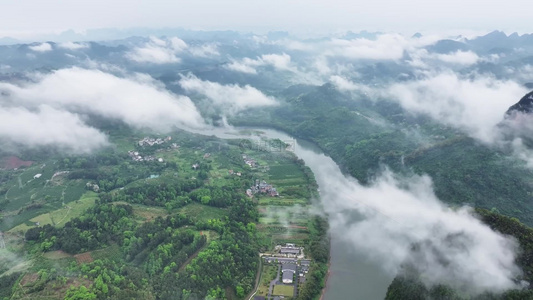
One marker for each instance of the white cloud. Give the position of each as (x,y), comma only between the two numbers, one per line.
(279,61)
(44,47)
(459,57)
(343,84)
(389,218)
(177,44)
(476,105)
(384,47)
(73,46)
(158,51)
(153,54)
(206,50)
(138,101)
(231,98)
(47,126)
(248,65)
(163,51)
(244,66)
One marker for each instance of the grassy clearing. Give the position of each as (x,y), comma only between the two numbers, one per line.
(285,171)
(145,213)
(62,215)
(58,254)
(283,290)
(210,235)
(203,212)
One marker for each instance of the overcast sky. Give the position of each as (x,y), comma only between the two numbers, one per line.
(20,18)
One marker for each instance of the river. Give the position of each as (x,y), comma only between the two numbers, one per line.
(352,275)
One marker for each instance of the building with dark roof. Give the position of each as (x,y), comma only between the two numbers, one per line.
(290,250)
(288,272)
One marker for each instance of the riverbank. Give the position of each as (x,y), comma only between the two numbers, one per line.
(325,288)
(361,278)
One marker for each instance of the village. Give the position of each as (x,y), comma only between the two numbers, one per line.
(292,269)
(262,187)
(150,142)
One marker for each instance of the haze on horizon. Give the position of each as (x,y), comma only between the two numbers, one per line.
(31,19)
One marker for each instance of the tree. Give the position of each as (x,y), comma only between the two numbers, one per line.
(205,200)
(81,293)
(240,291)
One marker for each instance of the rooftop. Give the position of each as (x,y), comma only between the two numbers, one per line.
(289,267)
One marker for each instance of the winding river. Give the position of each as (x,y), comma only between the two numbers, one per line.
(352,275)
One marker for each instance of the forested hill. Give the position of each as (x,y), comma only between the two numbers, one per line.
(409,286)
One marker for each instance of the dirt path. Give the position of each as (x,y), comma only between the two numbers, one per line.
(194,255)
(66,214)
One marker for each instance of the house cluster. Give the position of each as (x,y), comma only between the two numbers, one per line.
(231,172)
(135,156)
(288,271)
(262,187)
(148,141)
(292,267)
(304,269)
(249,161)
(289,250)
(92,186)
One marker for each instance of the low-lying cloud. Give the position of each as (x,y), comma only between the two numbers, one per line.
(402,222)
(248,65)
(44,47)
(73,46)
(475,105)
(459,57)
(138,101)
(230,98)
(46,126)
(158,51)
(207,50)
(165,51)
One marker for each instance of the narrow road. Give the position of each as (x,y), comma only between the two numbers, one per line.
(273,283)
(295,294)
(257,279)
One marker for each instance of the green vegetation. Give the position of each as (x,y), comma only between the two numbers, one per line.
(111,227)
(61,216)
(268,273)
(362,136)
(283,290)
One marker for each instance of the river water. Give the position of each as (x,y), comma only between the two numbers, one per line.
(352,275)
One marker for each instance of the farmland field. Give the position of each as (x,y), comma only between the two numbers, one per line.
(62,215)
